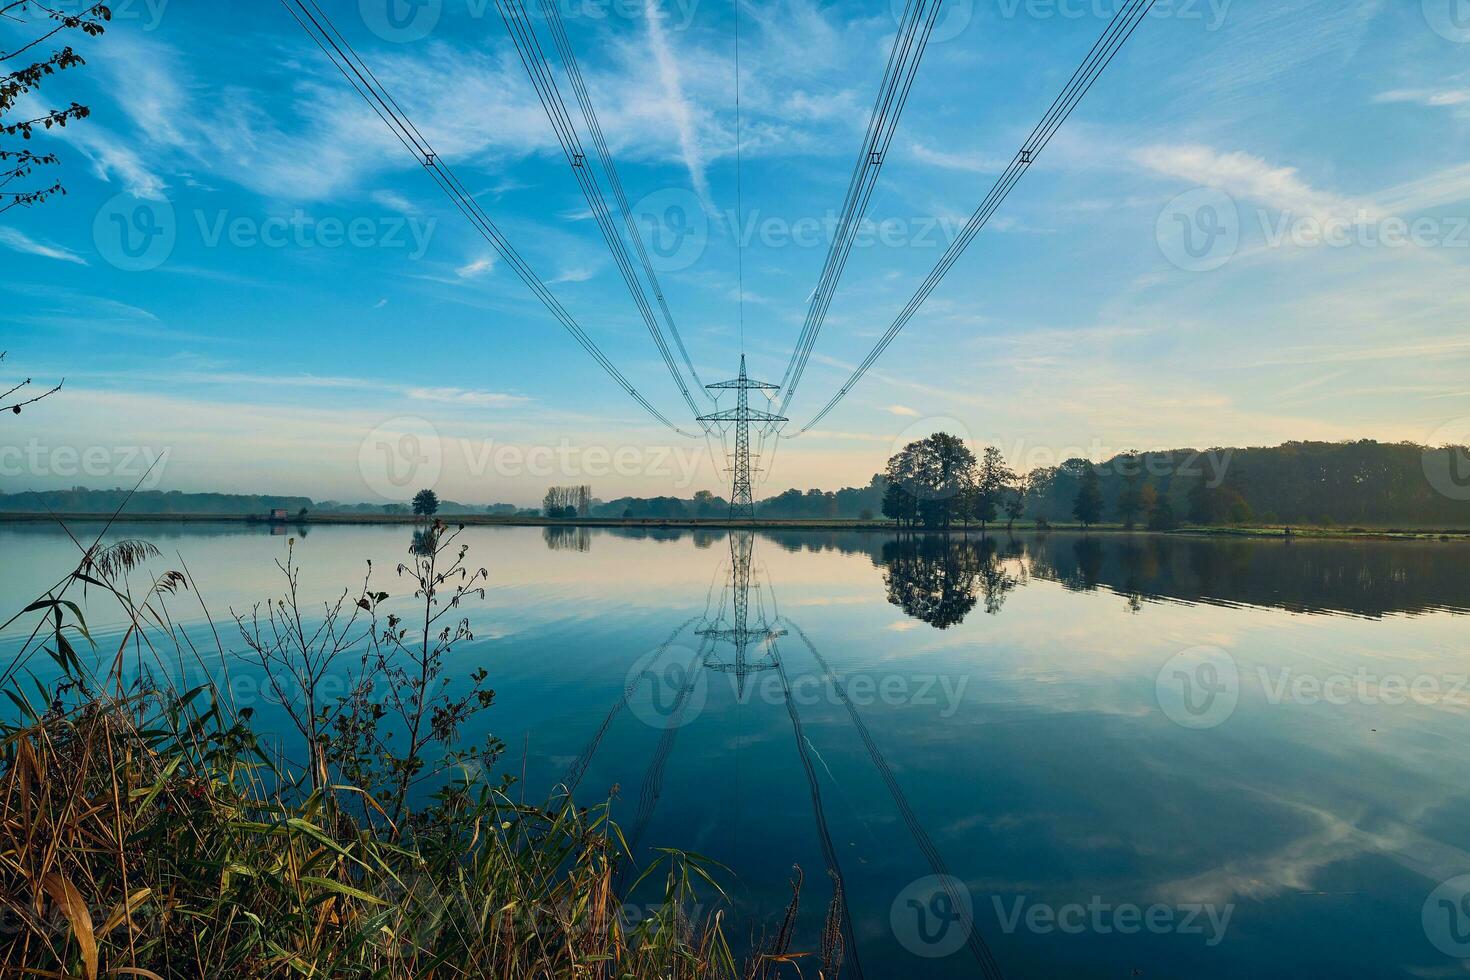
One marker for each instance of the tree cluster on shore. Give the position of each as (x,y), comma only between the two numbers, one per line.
(939,482)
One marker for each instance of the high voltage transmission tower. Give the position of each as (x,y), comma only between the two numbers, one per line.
(742,497)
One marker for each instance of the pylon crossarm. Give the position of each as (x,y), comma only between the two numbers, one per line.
(735,415)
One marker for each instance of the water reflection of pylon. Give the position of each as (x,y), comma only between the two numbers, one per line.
(739,582)
(739,633)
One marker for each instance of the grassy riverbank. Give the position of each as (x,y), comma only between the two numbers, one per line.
(151,831)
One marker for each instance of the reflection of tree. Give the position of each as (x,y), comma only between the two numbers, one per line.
(567,538)
(1089,553)
(425,540)
(996,582)
(1140,563)
(1365,578)
(940,580)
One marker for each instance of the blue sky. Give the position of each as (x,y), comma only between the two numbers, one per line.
(261,352)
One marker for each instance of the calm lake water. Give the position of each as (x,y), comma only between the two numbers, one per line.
(1105,756)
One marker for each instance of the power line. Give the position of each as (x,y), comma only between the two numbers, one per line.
(1124,23)
(319,27)
(824,834)
(898,79)
(739,187)
(976,942)
(533,58)
(589,113)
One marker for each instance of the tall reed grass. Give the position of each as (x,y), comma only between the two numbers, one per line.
(148,831)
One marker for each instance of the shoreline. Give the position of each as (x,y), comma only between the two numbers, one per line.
(725,524)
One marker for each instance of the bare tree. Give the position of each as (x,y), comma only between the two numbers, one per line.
(297,661)
(398,727)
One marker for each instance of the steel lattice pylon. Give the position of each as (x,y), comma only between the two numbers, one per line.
(742,494)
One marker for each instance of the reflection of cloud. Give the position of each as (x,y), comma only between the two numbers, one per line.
(1295,866)
(1262,876)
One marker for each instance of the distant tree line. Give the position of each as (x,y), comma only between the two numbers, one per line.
(939,482)
(1311,483)
(83,500)
(80,500)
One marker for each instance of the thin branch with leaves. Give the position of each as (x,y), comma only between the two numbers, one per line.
(21,82)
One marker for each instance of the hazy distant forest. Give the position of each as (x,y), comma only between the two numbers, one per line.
(1308,483)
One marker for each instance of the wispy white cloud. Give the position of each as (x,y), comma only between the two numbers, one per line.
(678,106)
(114,161)
(460,396)
(207,375)
(18,241)
(1431,98)
(1448,186)
(904,411)
(476,268)
(580,273)
(975,163)
(393,201)
(1243,175)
